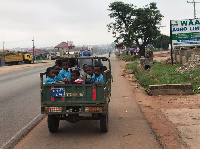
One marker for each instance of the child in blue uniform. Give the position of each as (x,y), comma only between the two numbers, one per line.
(65,73)
(97,77)
(58,76)
(50,76)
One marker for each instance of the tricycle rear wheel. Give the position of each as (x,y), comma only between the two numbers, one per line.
(104,123)
(53,123)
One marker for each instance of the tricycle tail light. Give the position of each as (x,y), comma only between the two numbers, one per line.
(93,109)
(53,109)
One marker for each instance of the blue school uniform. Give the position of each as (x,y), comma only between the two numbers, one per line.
(58,77)
(97,78)
(49,80)
(65,74)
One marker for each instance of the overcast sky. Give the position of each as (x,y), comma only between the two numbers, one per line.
(81,21)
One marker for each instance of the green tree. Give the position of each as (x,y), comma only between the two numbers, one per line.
(134,26)
(165,42)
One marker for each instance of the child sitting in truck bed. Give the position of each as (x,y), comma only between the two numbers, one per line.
(58,76)
(83,72)
(73,64)
(97,77)
(75,78)
(65,73)
(50,76)
(58,63)
(90,71)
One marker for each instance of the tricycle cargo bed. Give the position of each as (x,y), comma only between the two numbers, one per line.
(58,94)
(63,96)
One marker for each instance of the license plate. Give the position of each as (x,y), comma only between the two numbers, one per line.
(57,92)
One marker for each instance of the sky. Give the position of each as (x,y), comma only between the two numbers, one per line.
(84,22)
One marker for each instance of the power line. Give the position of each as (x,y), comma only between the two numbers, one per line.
(194,3)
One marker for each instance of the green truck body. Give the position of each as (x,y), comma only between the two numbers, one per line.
(74,102)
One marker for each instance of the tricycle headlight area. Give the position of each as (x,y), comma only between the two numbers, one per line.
(53,109)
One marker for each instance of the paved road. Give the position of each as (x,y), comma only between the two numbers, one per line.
(127,126)
(19,100)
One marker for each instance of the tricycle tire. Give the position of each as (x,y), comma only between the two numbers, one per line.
(104,123)
(53,123)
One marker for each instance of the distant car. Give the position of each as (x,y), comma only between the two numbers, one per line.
(53,56)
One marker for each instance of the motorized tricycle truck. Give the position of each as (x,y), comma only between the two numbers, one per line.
(75,102)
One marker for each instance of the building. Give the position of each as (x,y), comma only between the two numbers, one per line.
(39,53)
(65,48)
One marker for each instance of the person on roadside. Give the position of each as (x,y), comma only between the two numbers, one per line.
(109,54)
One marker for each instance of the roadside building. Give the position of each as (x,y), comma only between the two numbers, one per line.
(65,48)
(39,54)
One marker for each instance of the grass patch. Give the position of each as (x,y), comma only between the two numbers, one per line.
(131,66)
(145,79)
(166,74)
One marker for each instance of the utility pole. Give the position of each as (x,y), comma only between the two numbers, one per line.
(194,7)
(3,50)
(33,51)
(68,48)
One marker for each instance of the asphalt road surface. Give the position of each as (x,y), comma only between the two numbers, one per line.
(20,102)
(127,126)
